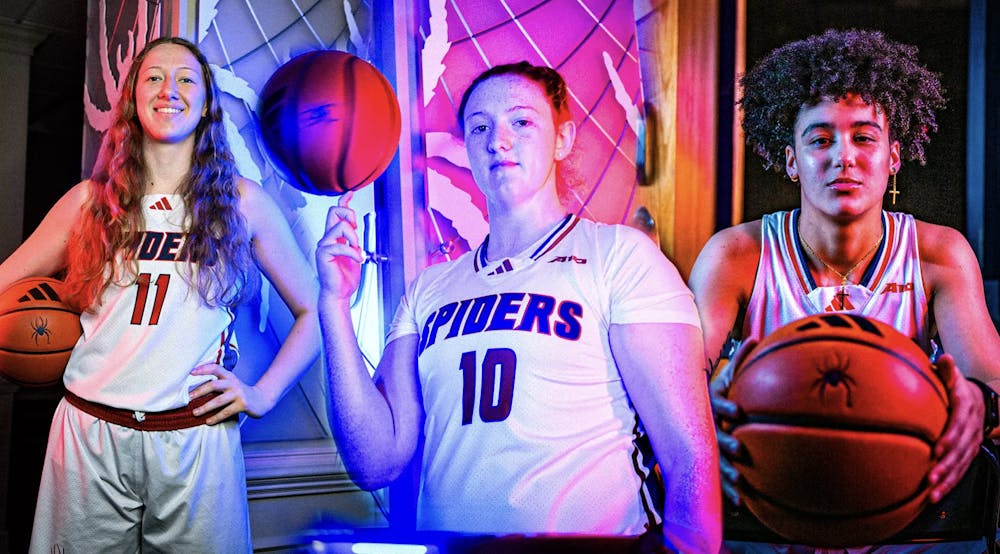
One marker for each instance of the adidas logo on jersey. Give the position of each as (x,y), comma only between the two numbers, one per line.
(504,268)
(568,259)
(162,204)
(43,291)
(841,302)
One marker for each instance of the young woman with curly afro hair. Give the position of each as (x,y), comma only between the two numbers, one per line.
(839,112)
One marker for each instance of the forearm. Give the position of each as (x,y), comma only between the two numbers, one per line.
(693,498)
(295,356)
(662,368)
(360,416)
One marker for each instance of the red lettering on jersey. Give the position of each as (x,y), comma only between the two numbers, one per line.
(897,287)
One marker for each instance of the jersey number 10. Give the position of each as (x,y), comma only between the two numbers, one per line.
(494,401)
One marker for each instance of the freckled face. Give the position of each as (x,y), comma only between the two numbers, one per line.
(842,156)
(170,94)
(511,139)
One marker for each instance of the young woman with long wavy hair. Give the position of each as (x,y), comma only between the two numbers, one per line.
(158,249)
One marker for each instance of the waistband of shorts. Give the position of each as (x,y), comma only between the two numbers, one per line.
(170,420)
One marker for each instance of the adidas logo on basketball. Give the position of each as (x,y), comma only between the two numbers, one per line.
(43,291)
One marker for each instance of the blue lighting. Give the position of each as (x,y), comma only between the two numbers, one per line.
(372,548)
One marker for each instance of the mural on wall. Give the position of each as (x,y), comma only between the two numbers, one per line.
(593,47)
(245,42)
(112,40)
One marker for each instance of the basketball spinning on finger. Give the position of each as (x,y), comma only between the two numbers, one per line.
(37,332)
(839,417)
(329,122)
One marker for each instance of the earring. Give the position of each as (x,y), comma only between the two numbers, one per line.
(894,192)
(794,178)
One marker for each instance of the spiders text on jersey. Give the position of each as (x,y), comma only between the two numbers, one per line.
(517,311)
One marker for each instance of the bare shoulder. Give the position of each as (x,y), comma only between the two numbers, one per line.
(942,246)
(256,205)
(736,248)
(80,194)
(82,189)
(251,193)
(742,236)
(727,265)
(947,261)
(68,207)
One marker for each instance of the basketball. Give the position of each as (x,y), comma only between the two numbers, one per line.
(37,332)
(329,122)
(839,416)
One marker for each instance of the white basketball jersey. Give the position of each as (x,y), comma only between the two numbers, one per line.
(890,290)
(528,425)
(138,349)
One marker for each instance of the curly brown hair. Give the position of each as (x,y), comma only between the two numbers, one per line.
(218,250)
(834,64)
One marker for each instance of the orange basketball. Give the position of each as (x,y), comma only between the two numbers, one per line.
(37,332)
(839,416)
(329,122)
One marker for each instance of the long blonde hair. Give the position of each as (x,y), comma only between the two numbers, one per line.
(111,225)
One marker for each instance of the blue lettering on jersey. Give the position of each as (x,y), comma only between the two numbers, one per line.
(150,245)
(459,316)
(159,246)
(506,307)
(171,245)
(569,327)
(517,311)
(479,314)
(537,314)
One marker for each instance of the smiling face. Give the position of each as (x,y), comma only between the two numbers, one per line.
(170,94)
(842,156)
(512,139)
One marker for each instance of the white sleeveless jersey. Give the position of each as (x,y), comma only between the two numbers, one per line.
(528,425)
(890,290)
(138,349)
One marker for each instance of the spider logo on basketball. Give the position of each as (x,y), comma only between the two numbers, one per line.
(40,328)
(832,378)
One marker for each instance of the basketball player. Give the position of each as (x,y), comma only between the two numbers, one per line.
(839,113)
(158,248)
(541,366)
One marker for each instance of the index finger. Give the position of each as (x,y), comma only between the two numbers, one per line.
(338,213)
(209,369)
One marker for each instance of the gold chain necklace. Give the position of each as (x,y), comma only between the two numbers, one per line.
(843,276)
